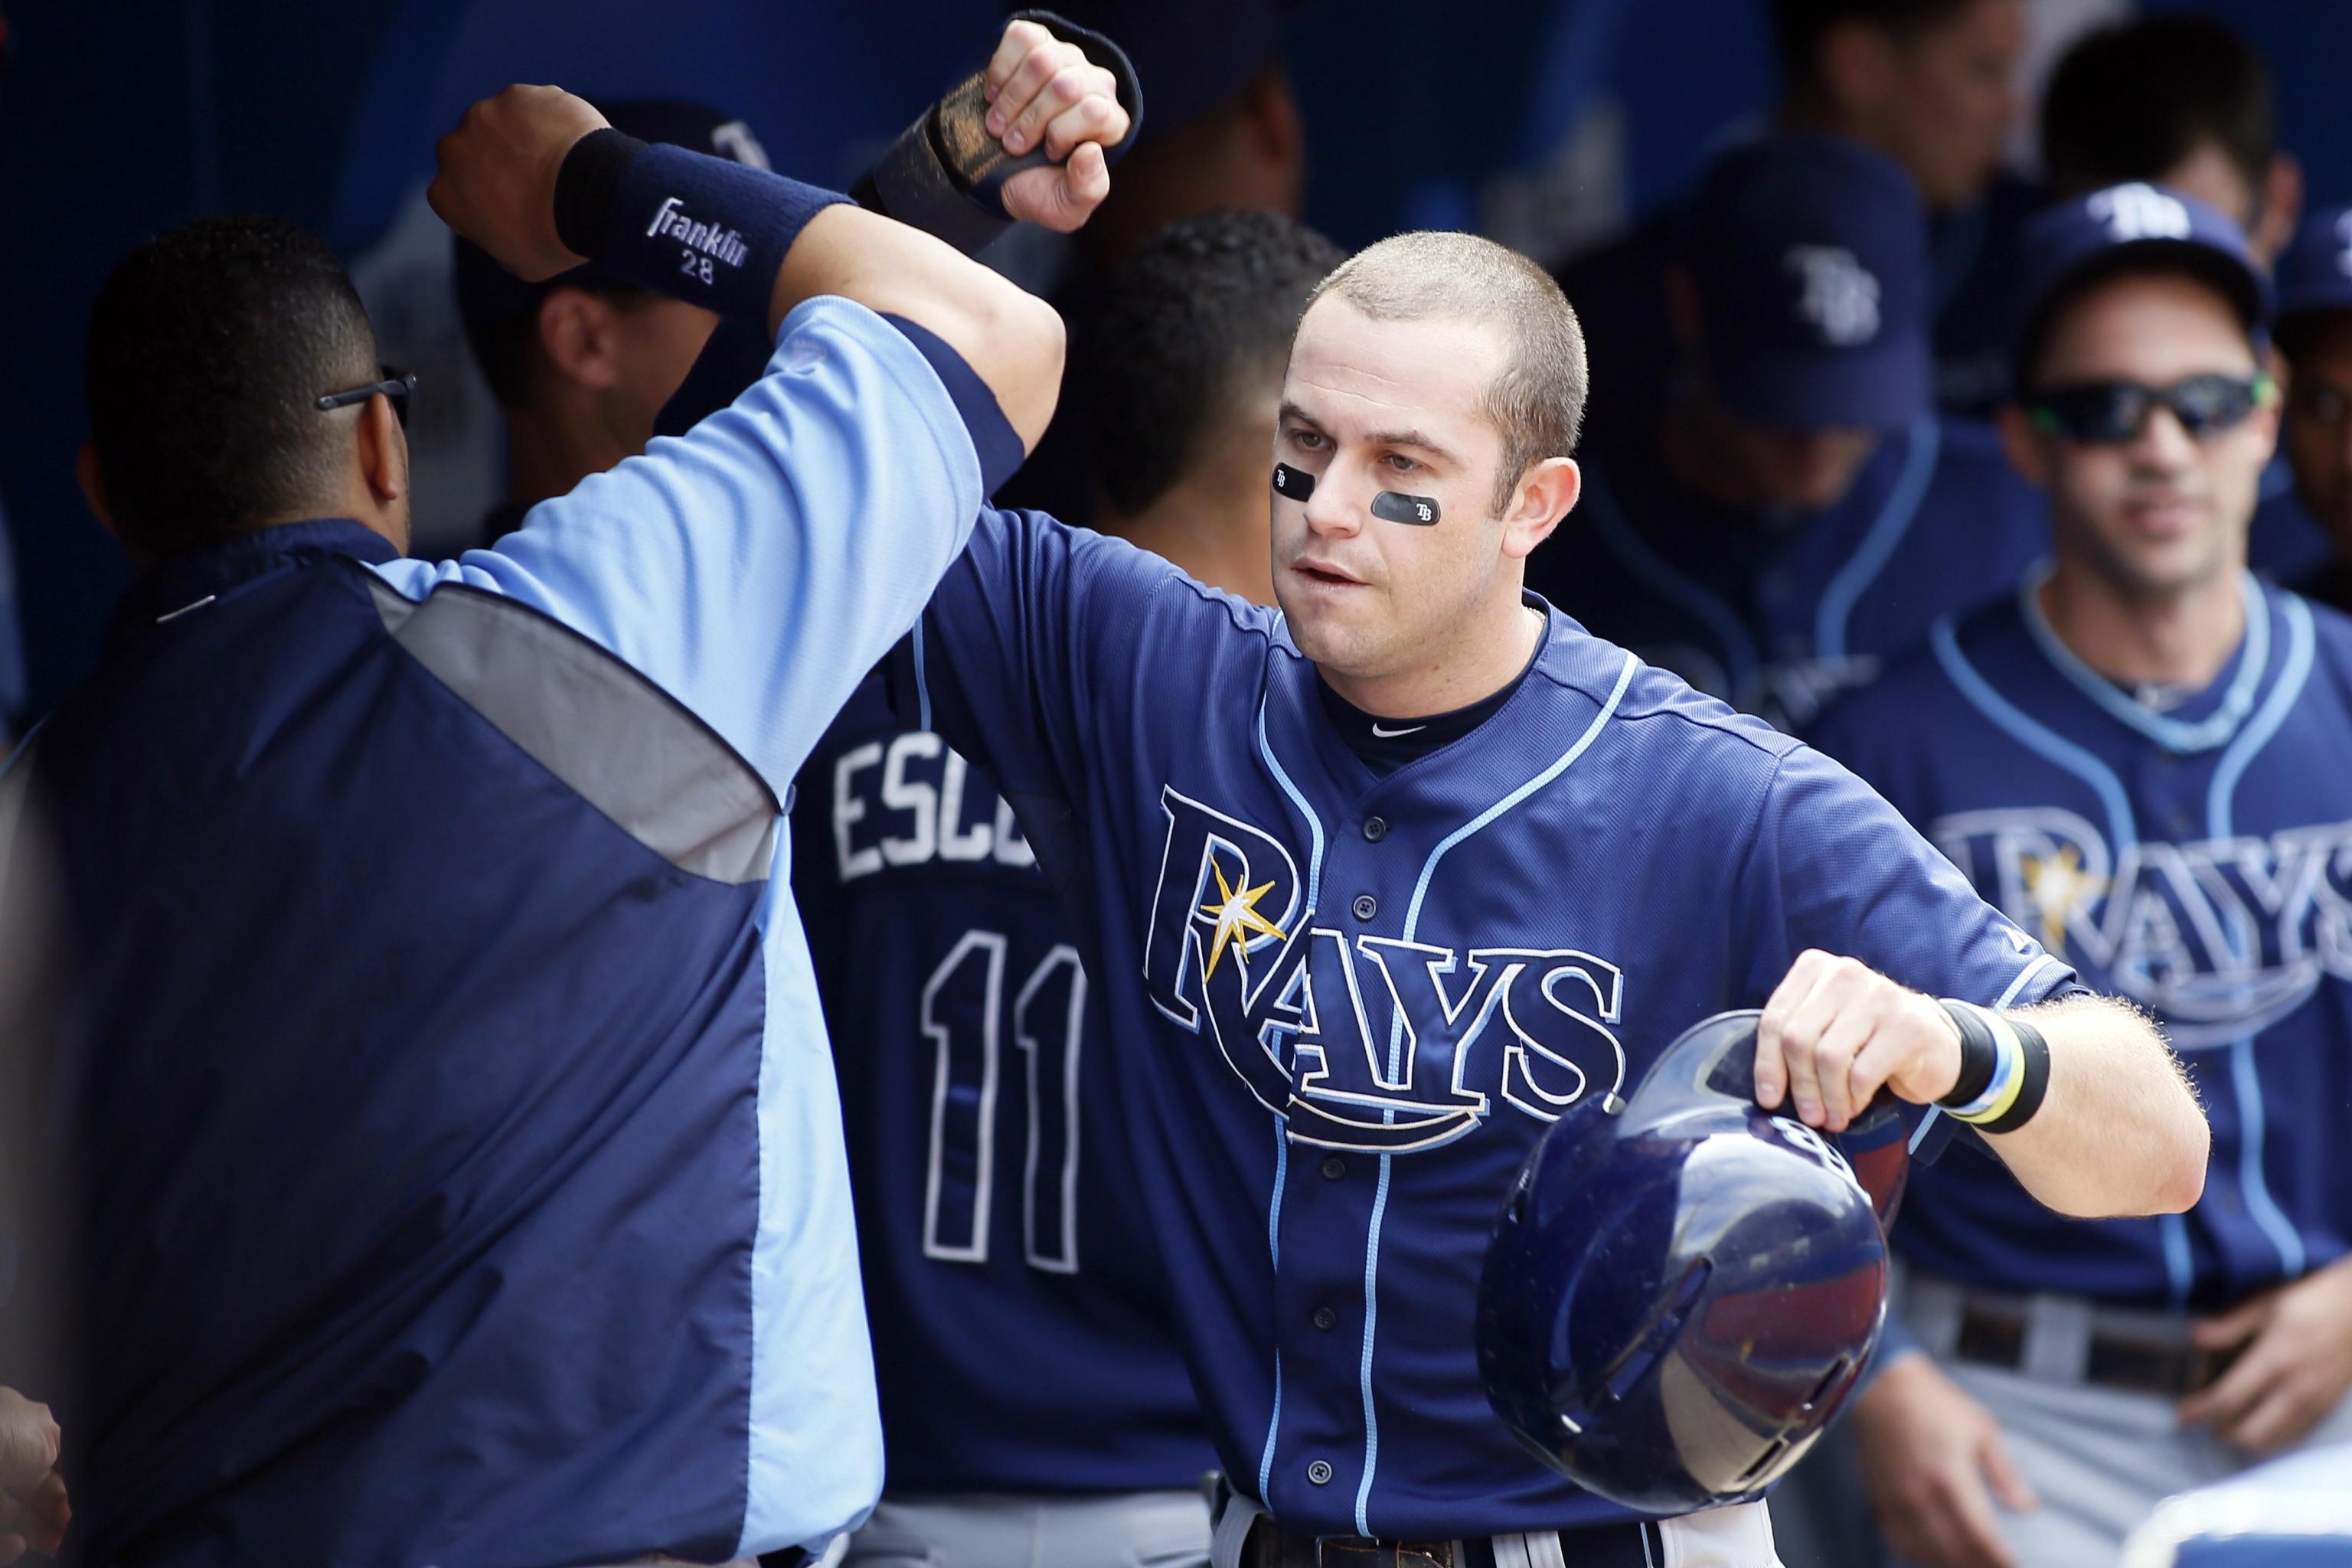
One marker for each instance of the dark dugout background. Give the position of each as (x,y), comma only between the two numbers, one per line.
(1545,122)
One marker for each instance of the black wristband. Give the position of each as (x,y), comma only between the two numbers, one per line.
(1979,1054)
(945,175)
(2037,1079)
(586,184)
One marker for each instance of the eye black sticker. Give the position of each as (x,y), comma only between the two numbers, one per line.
(1295,483)
(1418,511)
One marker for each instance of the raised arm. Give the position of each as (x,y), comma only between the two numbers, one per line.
(537,178)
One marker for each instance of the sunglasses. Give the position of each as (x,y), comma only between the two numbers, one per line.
(2110,413)
(397,385)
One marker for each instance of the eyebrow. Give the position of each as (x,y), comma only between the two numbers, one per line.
(1291,413)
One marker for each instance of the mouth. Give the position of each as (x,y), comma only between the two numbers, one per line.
(1325,576)
(2165,518)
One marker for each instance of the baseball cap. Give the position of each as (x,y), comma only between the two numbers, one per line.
(1811,257)
(2315,272)
(488,296)
(2069,245)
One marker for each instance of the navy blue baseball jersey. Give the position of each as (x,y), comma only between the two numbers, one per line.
(1776,617)
(2197,859)
(1020,1342)
(1347,1003)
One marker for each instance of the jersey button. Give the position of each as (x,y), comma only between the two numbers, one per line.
(1375,828)
(1325,1318)
(1319,1472)
(1334,1167)
(1366,906)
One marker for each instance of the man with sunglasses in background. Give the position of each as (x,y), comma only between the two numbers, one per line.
(2142,759)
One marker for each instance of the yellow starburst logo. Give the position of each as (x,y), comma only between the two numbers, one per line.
(2057,884)
(1237,918)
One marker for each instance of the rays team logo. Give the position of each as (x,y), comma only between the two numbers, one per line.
(2220,937)
(2138,212)
(1840,296)
(1370,1043)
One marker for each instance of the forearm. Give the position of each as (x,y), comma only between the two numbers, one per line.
(2119,1131)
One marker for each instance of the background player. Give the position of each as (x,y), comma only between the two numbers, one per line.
(2315,337)
(1795,510)
(2141,760)
(1035,1411)
(1926,83)
(1492,833)
(581,363)
(353,1236)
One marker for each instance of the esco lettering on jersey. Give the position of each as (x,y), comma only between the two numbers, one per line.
(1840,296)
(1232,946)
(903,804)
(2220,937)
(2138,211)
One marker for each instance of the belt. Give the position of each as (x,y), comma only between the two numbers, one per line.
(1631,1544)
(1993,1334)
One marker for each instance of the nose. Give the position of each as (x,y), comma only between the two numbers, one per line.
(2166,443)
(1337,508)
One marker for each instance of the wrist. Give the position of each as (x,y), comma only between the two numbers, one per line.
(2004,1069)
(706,230)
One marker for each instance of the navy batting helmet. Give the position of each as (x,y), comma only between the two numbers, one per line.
(1679,1297)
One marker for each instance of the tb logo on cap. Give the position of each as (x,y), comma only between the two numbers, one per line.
(1840,297)
(2138,212)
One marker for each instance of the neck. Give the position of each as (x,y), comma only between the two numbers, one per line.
(550,449)
(2182,638)
(1477,663)
(1213,526)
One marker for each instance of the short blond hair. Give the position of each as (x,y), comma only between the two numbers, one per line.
(1536,404)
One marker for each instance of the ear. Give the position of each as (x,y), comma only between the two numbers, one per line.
(1857,67)
(382,451)
(575,334)
(2282,208)
(2024,445)
(93,486)
(1546,493)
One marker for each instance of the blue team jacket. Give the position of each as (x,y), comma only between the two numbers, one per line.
(465,1182)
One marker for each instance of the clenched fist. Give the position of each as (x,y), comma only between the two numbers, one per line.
(497,180)
(1042,90)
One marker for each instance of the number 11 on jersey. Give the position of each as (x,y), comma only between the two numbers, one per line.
(964,1017)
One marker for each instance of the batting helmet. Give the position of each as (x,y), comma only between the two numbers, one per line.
(1678,1298)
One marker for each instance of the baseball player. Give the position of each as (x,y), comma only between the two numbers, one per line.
(463,1179)
(1927,83)
(1797,510)
(1035,1411)
(2315,336)
(2186,102)
(1371,888)
(2141,759)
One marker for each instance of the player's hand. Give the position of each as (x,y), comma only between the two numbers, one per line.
(1040,90)
(33,1512)
(497,180)
(2297,1367)
(1835,1030)
(1933,1460)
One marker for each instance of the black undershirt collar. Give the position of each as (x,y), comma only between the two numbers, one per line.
(1384,745)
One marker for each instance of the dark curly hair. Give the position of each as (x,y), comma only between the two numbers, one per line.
(208,348)
(1202,312)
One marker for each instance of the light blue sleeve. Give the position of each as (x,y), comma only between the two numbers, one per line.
(758,566)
